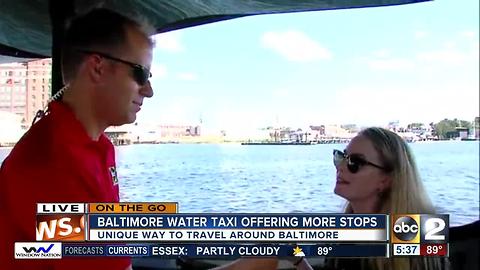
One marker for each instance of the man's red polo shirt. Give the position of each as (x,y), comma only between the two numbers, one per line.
(55,161)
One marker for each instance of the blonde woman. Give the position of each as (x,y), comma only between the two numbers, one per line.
(377,174)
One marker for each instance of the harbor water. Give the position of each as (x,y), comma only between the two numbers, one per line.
(234,178)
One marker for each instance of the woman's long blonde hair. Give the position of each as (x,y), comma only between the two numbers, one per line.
(406,194)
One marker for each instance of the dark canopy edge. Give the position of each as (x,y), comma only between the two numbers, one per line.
(13,52)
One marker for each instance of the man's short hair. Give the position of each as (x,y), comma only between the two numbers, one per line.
(100,30)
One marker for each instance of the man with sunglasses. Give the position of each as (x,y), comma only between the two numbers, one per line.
(65,156)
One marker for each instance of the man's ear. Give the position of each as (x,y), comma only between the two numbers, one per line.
(96,68)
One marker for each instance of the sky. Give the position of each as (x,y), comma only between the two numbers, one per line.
(369,66)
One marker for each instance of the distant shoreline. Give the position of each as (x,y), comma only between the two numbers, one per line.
(244,142)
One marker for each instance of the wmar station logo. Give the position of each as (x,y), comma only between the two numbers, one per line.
(406,229)
(420,229)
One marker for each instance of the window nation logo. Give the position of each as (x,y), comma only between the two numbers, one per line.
(38,250)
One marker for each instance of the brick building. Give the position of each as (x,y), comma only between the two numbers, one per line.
(25,87)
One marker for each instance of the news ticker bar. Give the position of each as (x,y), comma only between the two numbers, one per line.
(212,227)
(159,222)
(57,250)
(225,250)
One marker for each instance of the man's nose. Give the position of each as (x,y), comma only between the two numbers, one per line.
(147,90)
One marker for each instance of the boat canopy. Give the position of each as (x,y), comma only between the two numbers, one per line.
(26,28)
(34,29)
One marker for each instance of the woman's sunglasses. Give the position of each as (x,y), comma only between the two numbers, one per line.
(354,161)
(140,73)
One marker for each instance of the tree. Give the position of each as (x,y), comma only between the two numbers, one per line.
(443,127)
(465,124)
(447,128)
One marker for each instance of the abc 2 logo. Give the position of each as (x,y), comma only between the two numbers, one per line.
(419,229)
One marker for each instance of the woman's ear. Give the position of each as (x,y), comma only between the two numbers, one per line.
(385,183)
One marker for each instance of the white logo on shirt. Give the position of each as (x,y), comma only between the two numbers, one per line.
(113,173)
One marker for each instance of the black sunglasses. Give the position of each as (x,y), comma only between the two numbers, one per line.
(354,161)
(140,73)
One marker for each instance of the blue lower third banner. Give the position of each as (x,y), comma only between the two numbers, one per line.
(168,251)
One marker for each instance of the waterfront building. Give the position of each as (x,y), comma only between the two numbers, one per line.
(13,91)
(179,130)
(461,132)
(25,88)
(336,131)
(150,133)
